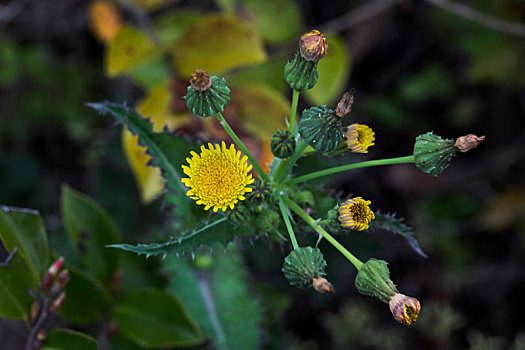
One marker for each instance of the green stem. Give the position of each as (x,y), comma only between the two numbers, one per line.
(241,145)
(288,224)
(338,169)
(289,163)
(295,100)
(315,225)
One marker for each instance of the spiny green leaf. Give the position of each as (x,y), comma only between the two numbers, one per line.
(218,298)
(63,339)
(395,225)
(217,231)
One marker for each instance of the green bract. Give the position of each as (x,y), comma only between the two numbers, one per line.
(283,144)
(321,128)
(302,265)
(210,101)
(432,153)
(373,279)
(301,74)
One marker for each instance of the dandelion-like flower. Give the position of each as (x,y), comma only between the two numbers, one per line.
(359,137)
(218,177)
(404,309)
(354,214)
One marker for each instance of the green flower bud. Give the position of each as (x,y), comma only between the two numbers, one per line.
(432,153)
(240,215)
(260,192)
(283,144)
(303,265)
(268,220)
(373,279)
(206,95)
(321,128)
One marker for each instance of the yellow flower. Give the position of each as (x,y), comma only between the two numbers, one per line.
(359,137)
(218,177)
(404,309)
(354,214)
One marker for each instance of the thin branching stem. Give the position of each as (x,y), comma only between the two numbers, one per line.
(293,112)
(288,224)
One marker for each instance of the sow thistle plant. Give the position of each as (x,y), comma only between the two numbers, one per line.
(245,201)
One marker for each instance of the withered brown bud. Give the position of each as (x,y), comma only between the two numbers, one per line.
(34,312)
(468,142)
(62,278)
(404,309)
(200,80)
(322,285)
(313,46)
(345,104)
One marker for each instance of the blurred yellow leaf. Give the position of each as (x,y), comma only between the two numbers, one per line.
(128,49)
(152,4)
(104,19)
(334,72)
(261,109)
(156,105)
(217,43)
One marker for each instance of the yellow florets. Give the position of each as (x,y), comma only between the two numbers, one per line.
(359,137)
(218,177)
(354,214)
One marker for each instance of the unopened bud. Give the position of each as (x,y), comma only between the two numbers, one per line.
(344,106)
(303,266)
(404,309)
(200,80)
(112,329)
(34,311)
(39,339)
(313,46)
(468,142)
(57,302)
(62,278)
(206,95)
(322,285)
(51,273)
(283,144)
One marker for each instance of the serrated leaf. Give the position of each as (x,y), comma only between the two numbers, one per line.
(219,300)
(334,71)
(66,339)
(129,48)
(90,228)
(155,318)
(86,301)
(217,43)
(24,229)
(395,225)
(167,151)
(217,231)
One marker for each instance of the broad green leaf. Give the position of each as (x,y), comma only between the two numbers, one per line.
(24,229)
(168,151)
(86,301)
(261,109)
(15,283)
(171,25)
(269,73)
(155,318)
(217,43)
(216,231)
(219,300)
(275,20)
(149,74)
(68,339)
(334,72)
(90,228)
(128,49)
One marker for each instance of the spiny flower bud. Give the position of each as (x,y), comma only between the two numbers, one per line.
(373,279)
(404,309)
(433,153)
(206,95)
(321,128)
(283,144)
(304,265)
(468,142)
(261,191)
(240,215)
(57,302)
(313,46)
(62,278)
(322,285)
(344,106)
(51,273)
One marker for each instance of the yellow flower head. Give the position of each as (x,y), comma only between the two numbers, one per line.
(404,309)
(354,214)
(359,137)
(218,177)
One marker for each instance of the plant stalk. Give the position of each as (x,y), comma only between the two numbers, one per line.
(288,224)
(286,166)
(293,112)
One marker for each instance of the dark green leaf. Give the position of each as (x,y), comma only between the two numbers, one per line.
(90,228)
(86,300)
(67,339)
(24,229)
(156,318)
(219,300)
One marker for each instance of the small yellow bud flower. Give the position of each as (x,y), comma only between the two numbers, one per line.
(354,214)
(313,46)
(359,137)
(404,309)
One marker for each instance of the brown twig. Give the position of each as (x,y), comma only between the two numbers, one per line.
(491,22)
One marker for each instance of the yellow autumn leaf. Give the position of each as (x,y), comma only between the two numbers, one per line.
(217,43)
(104,19)
(156,105)
(129,49)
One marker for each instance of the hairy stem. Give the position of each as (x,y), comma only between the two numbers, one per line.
(315,225)
(341,168)
(288,224)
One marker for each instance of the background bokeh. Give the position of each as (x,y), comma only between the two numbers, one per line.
(416,67)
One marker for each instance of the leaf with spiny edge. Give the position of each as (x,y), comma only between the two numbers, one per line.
(390,222)
(216,231)
(168,151)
